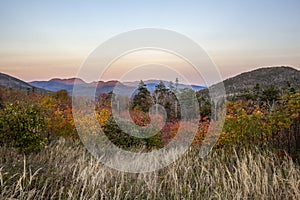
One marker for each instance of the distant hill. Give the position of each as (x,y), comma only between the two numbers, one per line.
(266,76)
(57,84)
(13,83)
(102,87)
(67,84)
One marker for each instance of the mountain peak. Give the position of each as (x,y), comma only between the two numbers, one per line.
(68,81)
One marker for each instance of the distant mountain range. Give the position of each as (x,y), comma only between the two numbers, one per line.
(102,87)
(278,76)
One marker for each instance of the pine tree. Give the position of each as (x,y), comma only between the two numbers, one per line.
(257,91)
(160,93)
(142,100)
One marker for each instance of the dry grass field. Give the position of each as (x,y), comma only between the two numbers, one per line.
(65,170)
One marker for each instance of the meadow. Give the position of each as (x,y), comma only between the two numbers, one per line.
(65,170)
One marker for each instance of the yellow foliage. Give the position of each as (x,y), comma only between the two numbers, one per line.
(103,115)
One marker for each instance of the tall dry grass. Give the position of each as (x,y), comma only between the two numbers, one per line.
(67,171)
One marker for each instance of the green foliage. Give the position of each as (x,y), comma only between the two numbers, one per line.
(142,101)
(188,98)
(160,92)
(123,140)
(22,126)
(204,105)
(270,94)
(166,97)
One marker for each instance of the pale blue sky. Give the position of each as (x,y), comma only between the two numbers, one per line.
(45,39)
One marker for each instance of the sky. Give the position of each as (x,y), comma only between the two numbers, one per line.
(40,40)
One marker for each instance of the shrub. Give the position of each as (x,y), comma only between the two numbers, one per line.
(22,126)
(123,140)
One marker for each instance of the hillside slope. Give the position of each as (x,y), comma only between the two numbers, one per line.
(280,77)
(13,83)
(277,76)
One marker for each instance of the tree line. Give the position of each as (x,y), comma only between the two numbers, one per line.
(260,117)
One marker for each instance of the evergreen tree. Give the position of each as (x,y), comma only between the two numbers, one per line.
(123,140)
(171,86)
(290,88)
(142,100)
(167,98)
(117,136)
(270,94)
(160,93)
(257,91)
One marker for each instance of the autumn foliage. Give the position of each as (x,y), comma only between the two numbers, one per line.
(261,118)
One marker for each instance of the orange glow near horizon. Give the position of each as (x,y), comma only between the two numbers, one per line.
(151,64)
